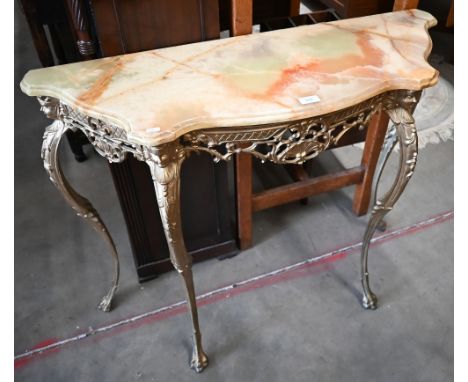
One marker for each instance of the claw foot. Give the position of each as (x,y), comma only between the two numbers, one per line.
(369,301)
(106,302)
(199,361)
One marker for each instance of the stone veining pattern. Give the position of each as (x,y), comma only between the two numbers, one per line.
(157,96)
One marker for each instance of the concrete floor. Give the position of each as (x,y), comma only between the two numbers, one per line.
(304,324)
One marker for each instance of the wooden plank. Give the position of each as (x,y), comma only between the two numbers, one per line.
(108,28)
(295,6)
(449,22)
(241,23)
(127,26)
(243,170)
(299,190)
(241,17)
(298,174)
(374,141)
(400,5)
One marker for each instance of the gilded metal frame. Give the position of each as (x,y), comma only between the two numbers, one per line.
(285,143)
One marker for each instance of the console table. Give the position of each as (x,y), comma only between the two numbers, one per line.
(282,96)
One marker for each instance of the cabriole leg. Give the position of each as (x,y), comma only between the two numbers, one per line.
(81,205)
(387,149)
(389,145)
(165,163)
(403,132)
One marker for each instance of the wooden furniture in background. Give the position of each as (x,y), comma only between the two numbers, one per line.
(260,10)
(111,27)
(405,4)
(78,17)
(55,42)
(125,26)
(450,18)
(242,10)
(249,202)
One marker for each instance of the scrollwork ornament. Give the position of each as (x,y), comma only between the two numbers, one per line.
(284,143)
(110,141)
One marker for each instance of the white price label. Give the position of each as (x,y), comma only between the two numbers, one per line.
(309,99)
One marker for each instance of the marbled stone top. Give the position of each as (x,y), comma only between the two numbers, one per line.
(270,77)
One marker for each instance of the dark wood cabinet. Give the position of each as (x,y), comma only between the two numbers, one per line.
(206,205)
(123,26)
(126,26)
(85,29)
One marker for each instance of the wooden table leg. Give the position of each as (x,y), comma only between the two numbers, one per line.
(295,7)
(76,145)
(244,196)
(373,144)
(165,162)
(399,5)
(407,138)
(241,17)
(241,24)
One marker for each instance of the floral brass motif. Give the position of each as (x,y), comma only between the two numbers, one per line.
(284,143)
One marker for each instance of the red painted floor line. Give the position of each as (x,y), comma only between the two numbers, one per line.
(301,269)
(41,345)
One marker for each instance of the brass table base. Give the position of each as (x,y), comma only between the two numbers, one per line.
(285,143)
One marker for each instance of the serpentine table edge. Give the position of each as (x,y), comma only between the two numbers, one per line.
(286,142)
